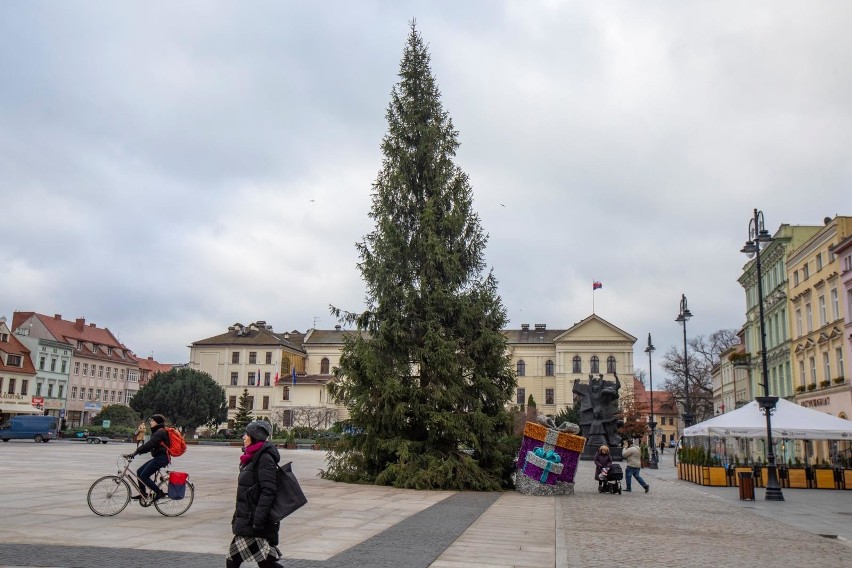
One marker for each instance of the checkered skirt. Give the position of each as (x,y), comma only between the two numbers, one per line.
(252,549)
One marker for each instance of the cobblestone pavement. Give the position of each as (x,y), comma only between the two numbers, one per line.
(45,521)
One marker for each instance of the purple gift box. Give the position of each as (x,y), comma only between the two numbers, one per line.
(570,458)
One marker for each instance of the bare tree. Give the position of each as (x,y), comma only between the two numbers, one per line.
(316,417)
(703,353)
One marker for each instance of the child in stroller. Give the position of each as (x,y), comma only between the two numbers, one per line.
(609,480)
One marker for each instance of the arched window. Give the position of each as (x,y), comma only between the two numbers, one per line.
(324,366)
(548,368)
(596,364)
(610,364)
(576,366)
(522,368)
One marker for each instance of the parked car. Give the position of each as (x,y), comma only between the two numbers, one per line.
(39,428)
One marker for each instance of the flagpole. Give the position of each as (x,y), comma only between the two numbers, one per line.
(593,296)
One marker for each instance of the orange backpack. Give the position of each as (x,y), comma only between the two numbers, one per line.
(177,445)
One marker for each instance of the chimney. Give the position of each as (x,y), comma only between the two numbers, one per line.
(57,316)
(525,327)
(540,326)
(92,325)
(80,323)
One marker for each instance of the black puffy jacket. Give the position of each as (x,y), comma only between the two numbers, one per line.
(256,488)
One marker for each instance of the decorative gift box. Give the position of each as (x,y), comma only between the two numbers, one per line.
(549,441)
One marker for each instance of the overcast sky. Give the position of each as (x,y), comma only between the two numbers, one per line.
(170,168)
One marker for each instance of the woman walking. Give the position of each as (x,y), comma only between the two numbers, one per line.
(603,460)
(140,434)
(255,539)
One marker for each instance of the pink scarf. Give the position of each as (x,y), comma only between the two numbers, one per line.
(249,452)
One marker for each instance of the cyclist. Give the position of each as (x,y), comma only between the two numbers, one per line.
(157,445)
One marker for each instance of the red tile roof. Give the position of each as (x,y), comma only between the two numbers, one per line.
(15,347)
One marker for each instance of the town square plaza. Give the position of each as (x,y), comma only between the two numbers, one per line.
(45,521)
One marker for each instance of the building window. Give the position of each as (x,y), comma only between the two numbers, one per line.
(251,403)
(548,368)
(285,395)
(25,386)
(610,364)
(61,391)
(41,363)
(235,378)
(92,370)
(806,271)
(50,390)
(106,393)
(802,372)
(266,403)
(576,365)
(89,393)
(53,365)
(521,368)
(13,360)
(596,364)
(795,278)
(38,389)
(798,323)
(235,358)
(324,366)
(108,371)
(826,363)
(115,373)
(269,357)
(267,378)
(232,402)
(819,261)
(835,305)
(813,370)
(839,356)
(64,362)
(285,365)
(809,316)
(251,379)
(73,392)
(121,377)
(822,313)
(100,371)
(109,351)
(79,346)
(11,386)
(521,396)
(252,357)
(76,367)
(85,369)
(97,394)
(548,396)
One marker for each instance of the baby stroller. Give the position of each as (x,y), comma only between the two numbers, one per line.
(610,482)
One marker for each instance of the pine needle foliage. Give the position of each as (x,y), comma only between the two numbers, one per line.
(243,415)
(426,378)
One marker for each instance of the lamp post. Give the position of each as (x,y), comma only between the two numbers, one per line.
(757,236)
(682,318)
(653,464)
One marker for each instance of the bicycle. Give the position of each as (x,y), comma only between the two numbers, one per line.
(109,495)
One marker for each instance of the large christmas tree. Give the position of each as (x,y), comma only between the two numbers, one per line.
(427,381)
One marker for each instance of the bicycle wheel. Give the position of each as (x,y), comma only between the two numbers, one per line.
(171,508)
(108,496)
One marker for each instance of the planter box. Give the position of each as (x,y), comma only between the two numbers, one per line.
(847,479)
(717,476)
(824,478)
(797,477)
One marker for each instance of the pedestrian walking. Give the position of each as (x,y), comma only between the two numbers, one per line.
(255,538)
(140,434)
(633,456)
(662,447)
(603,461)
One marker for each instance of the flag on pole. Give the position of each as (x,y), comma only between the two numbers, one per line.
(258,376)
(294,374)
(596,285)
(276,377)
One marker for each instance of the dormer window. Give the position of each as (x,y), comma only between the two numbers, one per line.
(13,360)
(4,337)
(94,347)
(109,351)
(79,346)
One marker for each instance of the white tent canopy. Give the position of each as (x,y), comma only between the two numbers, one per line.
(790,421)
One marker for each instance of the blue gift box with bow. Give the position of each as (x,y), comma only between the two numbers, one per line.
(542,465)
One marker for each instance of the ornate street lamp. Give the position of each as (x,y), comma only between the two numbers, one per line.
(651,423)
(757,236)
(682,318)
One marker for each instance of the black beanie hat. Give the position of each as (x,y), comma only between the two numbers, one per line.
(159,419)
(259,430)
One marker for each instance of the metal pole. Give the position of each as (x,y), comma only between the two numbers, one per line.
(773,488)
(654,462)
(684,315)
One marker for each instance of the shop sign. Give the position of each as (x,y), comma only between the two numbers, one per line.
(38,402)
(7,396)
(92,406)
(821,401)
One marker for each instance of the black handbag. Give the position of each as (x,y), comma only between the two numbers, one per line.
(289,495)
